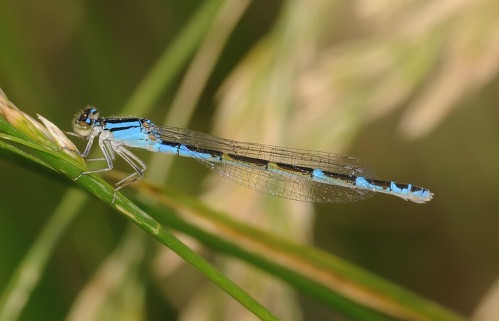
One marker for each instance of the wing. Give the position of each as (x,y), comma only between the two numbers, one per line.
(277,171)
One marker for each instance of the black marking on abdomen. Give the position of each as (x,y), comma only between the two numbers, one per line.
(200,150)
(250,160)
(296,168)
(388,185)
(342,177)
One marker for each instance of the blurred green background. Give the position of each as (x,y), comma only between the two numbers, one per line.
(411,88)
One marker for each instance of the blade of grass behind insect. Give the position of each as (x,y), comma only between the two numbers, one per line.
(145,95)
(26,277)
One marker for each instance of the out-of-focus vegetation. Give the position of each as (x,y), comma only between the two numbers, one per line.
(410,87)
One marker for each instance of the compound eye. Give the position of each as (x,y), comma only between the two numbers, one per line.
(83,123)
(92,113)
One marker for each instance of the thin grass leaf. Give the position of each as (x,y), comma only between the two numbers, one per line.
(30,270)
(144,96)
(168,65)
(354,292)
(61,162)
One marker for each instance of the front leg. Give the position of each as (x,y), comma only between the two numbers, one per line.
(106,151)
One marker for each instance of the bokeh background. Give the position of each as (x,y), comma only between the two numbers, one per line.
(410,87)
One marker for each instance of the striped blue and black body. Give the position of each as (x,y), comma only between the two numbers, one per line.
(290,173)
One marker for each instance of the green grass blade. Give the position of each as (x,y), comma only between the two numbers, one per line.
(66,165)
(30,270)
(344,287)
(160,76)
(173,59)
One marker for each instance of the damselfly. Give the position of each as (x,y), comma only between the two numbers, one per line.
(289,173)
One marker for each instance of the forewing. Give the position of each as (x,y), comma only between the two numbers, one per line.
(291,185)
